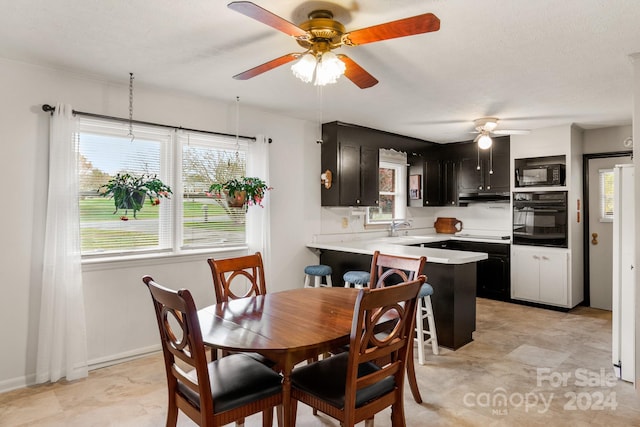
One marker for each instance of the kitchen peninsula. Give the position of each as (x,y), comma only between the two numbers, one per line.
(452,274)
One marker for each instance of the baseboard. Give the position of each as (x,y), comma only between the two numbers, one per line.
(102,362)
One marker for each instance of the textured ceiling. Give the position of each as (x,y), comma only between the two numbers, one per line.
(532,63)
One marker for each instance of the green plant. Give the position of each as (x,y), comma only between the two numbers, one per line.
(254,189)
(129,191)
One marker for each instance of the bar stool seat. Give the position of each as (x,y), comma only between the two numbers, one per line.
(425,311)
(317,272)
(356,278)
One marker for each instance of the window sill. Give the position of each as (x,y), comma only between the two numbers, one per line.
(117,262)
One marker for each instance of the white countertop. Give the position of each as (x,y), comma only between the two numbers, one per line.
(400,246)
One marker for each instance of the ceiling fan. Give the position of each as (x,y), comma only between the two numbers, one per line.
(321,34)
(486,127)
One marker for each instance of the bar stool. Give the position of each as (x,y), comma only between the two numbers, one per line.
(356,278)
(317,272)
(425,311)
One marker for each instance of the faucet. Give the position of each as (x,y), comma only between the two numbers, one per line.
(396,224)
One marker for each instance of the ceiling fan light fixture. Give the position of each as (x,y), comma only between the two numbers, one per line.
(329,69)
(304,68)
(484,141)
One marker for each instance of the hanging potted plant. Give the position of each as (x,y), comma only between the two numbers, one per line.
(130,191)
(241,192)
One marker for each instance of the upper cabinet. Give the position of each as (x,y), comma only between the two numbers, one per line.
(351,153)
(484,171)
(457,173)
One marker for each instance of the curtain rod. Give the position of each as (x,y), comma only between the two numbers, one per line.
(49,109)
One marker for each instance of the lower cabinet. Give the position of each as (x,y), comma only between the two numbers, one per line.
(540,275)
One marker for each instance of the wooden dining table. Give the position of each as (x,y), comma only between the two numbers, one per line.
(287,327)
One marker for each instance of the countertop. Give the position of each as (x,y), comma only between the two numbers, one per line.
(401,246)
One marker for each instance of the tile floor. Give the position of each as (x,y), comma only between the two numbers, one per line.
(526,367)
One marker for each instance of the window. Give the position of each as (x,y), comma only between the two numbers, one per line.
(392,186)
(186,161)
(605,177)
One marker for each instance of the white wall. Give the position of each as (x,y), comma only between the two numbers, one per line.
(604,140)
(120,321)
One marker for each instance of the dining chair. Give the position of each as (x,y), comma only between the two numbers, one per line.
(388,270)
(210,393)
(349,386)
(238,277)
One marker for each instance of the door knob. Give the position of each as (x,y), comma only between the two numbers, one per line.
(594,240)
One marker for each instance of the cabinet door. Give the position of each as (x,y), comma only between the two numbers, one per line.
(553,278)
(349,174)
(493,277)
(525,274)
(469,176)
(432,183)
(369,176)
(500,179)
(450,187)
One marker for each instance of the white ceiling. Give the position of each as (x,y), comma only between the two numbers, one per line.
(532,63)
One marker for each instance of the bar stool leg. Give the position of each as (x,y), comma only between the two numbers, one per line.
(433,337)
(329,284)
(307,280)
(317,281)
(420,330)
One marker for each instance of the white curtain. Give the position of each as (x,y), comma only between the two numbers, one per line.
(258,219)
(62,340)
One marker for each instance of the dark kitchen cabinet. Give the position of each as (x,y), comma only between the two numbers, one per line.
(485,171)
(493,274)
(441,177)
(433,183)
(352,154)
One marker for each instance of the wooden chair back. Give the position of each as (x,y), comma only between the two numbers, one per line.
(391,269)
(188,378)
(181,339)
(238,277)
(375,307)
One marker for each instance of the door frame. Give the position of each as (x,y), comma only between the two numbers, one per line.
(585,214)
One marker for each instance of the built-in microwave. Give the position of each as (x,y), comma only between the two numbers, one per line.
(540,175)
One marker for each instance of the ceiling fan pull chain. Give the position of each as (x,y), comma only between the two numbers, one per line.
(478,164)
(130,134)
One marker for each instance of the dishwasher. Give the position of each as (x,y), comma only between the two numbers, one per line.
(493,275)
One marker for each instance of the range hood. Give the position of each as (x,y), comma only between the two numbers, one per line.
(483,197)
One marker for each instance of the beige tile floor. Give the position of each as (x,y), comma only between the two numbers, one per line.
(526,367)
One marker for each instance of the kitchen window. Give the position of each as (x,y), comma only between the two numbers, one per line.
(187,161)
(393,189)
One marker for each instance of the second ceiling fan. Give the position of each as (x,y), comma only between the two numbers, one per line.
(320,34)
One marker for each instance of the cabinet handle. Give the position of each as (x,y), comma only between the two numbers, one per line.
(545,258)
(536,257)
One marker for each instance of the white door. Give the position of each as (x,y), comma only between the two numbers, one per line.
(600,236)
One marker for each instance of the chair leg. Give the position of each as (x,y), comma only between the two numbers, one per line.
(329,284)
(317,281)
(411,377)
(267,418)
(294,411)
(172,414)
(397,415)
(240,422)
(307,280)
(280,415)
(368,422)
(347,284)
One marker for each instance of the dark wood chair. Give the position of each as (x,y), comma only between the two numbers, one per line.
(210,393)
(238,277)
(349,386)
(388,270)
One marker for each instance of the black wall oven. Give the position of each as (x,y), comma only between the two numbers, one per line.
(540,218)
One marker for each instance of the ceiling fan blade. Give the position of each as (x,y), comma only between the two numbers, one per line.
(511,131)
(263,15)
(357,74)
(401,28)
(246,75)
